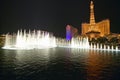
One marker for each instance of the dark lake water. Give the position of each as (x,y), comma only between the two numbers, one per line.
(59,64)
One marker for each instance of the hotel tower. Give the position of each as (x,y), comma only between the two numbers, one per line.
(93,29)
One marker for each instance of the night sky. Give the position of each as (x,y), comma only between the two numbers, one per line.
(54,15)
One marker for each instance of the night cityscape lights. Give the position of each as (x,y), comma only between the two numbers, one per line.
(42,39)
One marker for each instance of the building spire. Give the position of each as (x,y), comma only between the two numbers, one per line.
(92,17)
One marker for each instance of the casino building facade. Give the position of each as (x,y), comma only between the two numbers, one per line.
(93,29)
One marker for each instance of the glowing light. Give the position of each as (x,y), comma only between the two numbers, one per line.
(68,33)
(42,39)
(80,43)
(32,40)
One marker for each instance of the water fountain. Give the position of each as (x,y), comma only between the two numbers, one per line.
(103,47)
(43,39)
(80,43)
(30,40)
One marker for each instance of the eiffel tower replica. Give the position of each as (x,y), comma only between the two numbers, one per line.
(93,29)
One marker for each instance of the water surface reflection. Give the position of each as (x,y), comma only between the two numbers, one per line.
(59,63)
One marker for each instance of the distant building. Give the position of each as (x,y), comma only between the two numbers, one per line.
(2,40)
(95,30)
(70,32)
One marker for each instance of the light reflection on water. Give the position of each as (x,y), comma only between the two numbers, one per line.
(59,63)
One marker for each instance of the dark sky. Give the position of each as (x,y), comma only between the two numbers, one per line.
(54,15)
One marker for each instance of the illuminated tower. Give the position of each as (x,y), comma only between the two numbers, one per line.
(70,32)
(92,17)
(95,29)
